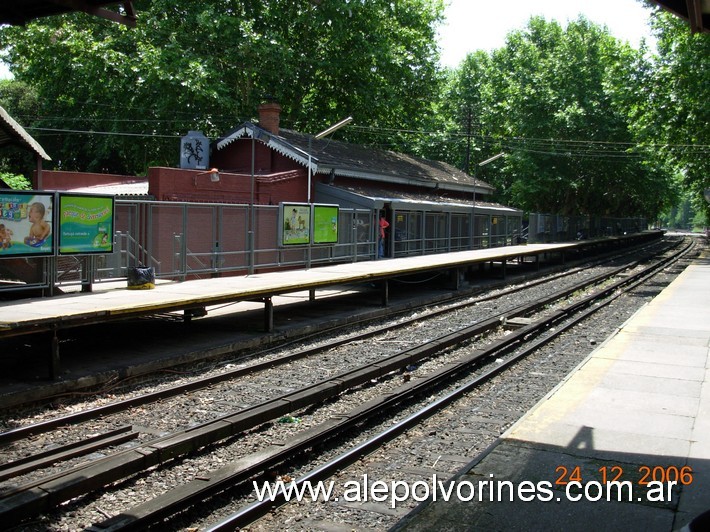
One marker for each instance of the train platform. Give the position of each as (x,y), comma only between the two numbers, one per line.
(80,340)
(46,314)
(51,317)
(52,314)
(636,411)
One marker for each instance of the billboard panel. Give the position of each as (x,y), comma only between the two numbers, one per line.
(26,223)
(85,224)
(295,224)
(325,224)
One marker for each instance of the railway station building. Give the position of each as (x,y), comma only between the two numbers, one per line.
(222,211)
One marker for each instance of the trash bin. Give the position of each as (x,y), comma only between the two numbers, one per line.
(141,278)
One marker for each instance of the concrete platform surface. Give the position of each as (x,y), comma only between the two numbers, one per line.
(637,410)
(30,315)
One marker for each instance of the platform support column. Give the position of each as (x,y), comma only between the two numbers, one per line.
(456,279)
(268,315)
(385,293)
(312,295)
(503,264)
(87,268)
(537,262)
(54,356)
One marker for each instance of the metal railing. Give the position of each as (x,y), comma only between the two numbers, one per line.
(545,228)
(184,240)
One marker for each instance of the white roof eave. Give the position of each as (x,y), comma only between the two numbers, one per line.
(279,146)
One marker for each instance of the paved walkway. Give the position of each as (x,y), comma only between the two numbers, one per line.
(636,409)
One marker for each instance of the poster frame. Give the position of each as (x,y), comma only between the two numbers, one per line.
(61,246)
(304,214)
(5,199)
(321,206)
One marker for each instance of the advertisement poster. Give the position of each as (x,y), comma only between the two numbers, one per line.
(85,224)
(296,223)
(26,223)
(325,224)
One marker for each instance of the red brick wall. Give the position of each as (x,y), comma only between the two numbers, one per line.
(236,157)
(175,184)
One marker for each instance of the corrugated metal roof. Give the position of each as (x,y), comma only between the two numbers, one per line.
(354,160)
(13,133)
(137,188)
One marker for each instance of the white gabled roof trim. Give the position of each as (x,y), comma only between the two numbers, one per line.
(288,150)
(279,146)
(234,136)
(25,137)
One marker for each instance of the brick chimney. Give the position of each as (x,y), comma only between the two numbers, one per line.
(269,116)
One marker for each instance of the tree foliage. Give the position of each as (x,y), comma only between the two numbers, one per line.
(589,124)
(208,64)
(558,101)
(15,181)
(676,120)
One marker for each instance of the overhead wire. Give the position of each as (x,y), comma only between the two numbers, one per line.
(555,147)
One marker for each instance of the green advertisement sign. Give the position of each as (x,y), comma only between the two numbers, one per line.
(26,223)
(85,224)
(325,224)
(295,223)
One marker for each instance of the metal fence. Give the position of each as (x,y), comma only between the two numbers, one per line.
(556,228)
(187,240)
(193,240)
(418,233)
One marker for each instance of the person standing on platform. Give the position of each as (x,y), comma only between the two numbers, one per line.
(384,224)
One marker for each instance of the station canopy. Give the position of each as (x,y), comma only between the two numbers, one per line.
(20,12)
(696,12)
(373,198)
(12,133)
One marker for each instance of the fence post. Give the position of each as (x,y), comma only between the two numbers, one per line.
(353,233)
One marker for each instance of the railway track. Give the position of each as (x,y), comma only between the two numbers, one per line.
(280,359)
(41,495)
(265,361)
(508,351)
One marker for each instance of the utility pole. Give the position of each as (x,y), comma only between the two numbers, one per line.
(469,118)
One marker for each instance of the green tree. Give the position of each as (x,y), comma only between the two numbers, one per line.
(462,113)
(15,181)
(556,106)
(675,120)
(208,64)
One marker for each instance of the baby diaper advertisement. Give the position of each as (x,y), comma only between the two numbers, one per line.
(85,224)
(26,226)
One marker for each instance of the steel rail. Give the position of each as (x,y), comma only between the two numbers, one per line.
(99,473)
(65,452)
(247,515)
(205,382)
(153,511)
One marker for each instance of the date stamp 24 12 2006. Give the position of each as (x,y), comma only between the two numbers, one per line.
(643,475)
